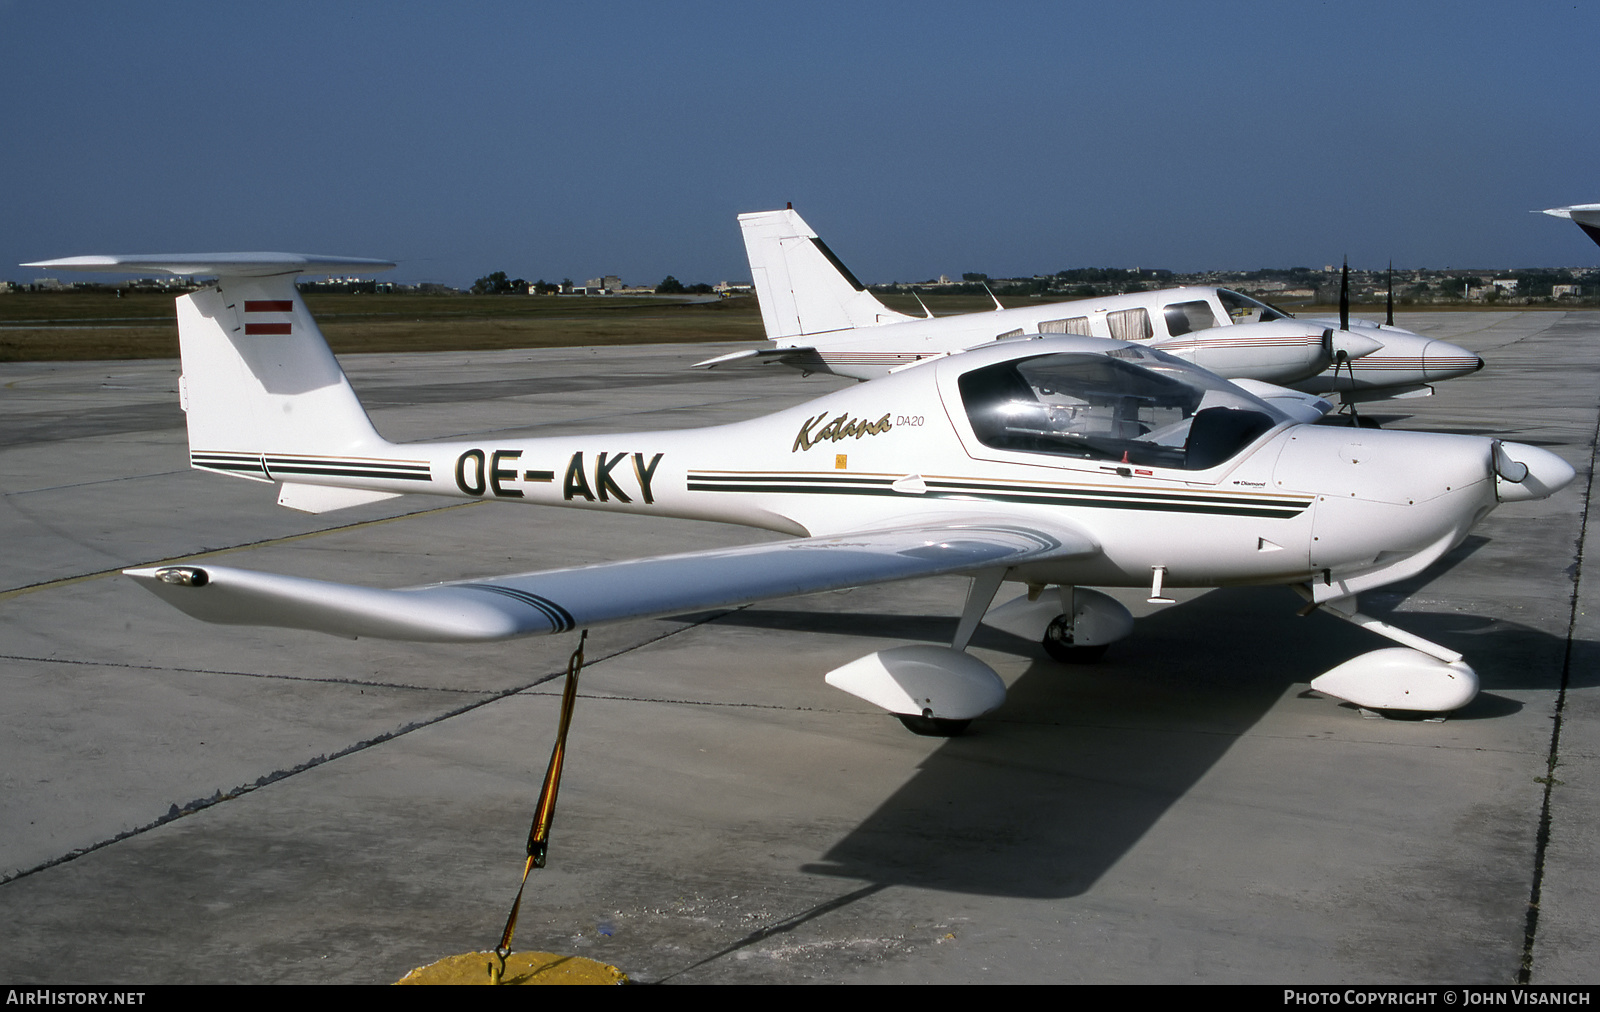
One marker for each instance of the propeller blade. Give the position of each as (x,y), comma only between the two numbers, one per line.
(1389,321)
(1344,296)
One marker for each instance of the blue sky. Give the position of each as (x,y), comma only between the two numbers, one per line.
(564,140)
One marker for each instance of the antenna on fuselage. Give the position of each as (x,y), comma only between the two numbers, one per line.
(926,312)
(997,304)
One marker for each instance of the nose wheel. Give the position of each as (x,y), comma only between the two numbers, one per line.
(1418,677)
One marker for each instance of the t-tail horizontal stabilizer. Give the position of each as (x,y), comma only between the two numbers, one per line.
(223,265)
(259,385)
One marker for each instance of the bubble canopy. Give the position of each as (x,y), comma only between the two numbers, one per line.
(1130,405)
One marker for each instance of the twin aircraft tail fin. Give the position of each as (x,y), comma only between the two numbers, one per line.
(265,398)
(802,287)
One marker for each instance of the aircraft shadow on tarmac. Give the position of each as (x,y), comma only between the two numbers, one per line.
(1043,796)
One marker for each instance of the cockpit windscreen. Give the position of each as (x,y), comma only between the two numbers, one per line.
(1244,309)
(1131,406)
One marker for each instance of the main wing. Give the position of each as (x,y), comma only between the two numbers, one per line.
(532,604)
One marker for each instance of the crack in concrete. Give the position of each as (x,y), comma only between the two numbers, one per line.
(240,674)
(210,553)
(1530,935)
(176,811)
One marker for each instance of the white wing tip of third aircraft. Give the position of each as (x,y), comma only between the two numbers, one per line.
(1567,212)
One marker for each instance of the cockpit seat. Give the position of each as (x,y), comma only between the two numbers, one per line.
(1215,434)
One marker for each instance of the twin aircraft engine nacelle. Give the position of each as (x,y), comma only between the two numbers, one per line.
(1278,351)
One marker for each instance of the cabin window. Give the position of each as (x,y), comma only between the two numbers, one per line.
(1130,325)
(1143,408)
(1188,317)
(1009,333)
(1073,325)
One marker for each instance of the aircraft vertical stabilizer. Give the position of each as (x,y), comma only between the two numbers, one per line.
(258,377)
(259,381)
(802,287)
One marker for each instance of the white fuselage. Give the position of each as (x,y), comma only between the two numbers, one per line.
(1297,502)
(1191,323)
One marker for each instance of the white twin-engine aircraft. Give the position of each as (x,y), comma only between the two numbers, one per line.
(1060,464)
(822,319)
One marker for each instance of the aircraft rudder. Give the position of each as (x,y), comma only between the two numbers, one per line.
(259,379)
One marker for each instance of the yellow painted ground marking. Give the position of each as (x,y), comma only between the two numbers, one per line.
(521,968)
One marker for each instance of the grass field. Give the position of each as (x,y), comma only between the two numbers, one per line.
(58,326)
(94,325)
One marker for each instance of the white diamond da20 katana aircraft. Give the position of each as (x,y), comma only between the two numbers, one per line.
(820,318)
(1060,464)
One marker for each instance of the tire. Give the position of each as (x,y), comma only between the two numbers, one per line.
(932,727)
(1058,644)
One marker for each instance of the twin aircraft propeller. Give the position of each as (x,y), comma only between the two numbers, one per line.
(1070,461)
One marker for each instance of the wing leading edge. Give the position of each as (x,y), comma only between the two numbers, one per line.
(532,604)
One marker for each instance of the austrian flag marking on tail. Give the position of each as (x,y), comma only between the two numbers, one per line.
(261,316)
